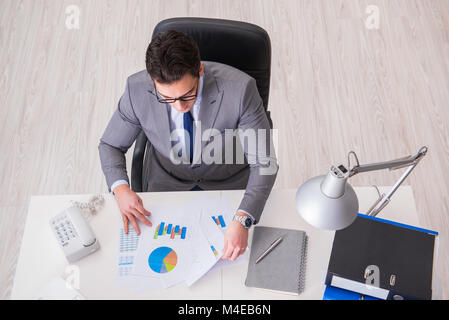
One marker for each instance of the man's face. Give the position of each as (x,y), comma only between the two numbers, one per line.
(185,87)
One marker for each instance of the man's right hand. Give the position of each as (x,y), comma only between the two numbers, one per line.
(131,207)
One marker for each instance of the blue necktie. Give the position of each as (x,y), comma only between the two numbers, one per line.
(188,126)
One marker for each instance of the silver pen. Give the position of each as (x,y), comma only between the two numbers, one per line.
(270,248)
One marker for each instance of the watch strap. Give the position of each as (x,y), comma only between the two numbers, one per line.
(243,221)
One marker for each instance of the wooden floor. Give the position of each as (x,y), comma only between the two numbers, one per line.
(336,86)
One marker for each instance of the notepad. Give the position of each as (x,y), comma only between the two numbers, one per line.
(283,269)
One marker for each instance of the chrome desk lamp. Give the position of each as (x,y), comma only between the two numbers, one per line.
(329,202)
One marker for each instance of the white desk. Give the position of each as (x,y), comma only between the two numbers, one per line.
(41,259)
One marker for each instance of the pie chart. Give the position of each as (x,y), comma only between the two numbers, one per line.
(162,260)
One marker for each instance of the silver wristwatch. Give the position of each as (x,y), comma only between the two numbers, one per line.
(245,221)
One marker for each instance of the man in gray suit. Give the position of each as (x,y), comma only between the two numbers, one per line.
(186,108)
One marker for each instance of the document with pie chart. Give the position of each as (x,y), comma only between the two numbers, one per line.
(164,259)
(182,245)
(164,250)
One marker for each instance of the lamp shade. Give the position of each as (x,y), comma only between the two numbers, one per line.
(323,211)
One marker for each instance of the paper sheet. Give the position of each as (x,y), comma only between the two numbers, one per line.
(183,244)
(127,248)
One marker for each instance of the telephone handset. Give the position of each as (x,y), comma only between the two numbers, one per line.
(74,234)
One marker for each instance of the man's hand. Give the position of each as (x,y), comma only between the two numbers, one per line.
(131,207)
(236,240)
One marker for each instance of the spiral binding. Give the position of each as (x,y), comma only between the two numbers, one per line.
(302,267)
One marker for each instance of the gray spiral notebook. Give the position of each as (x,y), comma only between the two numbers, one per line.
(283,269)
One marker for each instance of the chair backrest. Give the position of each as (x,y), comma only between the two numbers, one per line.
(242,45)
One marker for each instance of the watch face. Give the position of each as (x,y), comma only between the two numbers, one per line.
(248,222)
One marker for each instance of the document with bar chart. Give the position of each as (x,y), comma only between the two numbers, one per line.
(218,211)
(164,251)
(219,214)
(213,233)
(183,244)
(207,253)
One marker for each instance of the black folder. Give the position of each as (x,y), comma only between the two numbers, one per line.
(403,254)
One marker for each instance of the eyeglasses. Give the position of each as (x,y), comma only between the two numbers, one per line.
(173,100)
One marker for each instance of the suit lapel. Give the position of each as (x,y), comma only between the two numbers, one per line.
(210,105)
(161,122)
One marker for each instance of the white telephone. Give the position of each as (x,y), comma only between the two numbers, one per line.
(74,234)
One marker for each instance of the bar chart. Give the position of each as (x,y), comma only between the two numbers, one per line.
(214,250)
(219,221)
(170,230)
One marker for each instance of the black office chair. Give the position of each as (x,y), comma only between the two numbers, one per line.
(242,45)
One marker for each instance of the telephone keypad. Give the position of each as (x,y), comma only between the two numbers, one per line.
(64,229)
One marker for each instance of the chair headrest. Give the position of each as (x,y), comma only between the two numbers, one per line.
(242,45)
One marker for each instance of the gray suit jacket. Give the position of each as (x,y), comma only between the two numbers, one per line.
(230,100)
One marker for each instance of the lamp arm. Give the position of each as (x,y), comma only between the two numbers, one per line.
(411,162)
(385,198)
(392,165)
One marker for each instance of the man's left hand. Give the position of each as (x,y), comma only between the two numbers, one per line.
(236,240)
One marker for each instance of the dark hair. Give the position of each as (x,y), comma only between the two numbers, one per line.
(171,55)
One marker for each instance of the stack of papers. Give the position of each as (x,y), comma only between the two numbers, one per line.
(183,244)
